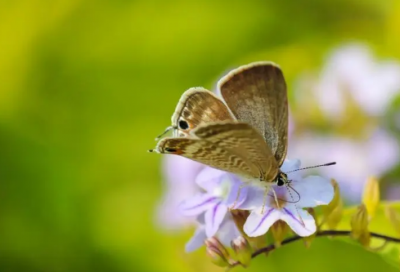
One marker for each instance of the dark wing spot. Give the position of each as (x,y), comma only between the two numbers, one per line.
(183,124)
(172,150)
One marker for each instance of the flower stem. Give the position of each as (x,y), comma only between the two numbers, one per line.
(318,234)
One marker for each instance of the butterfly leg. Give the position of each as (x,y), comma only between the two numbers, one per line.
(266,197)
(276,198)
(237,196)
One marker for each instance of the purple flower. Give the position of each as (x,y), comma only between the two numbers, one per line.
(220,193)
(180,184)
(352,71)
(301,193)
(226,233)
(377,154)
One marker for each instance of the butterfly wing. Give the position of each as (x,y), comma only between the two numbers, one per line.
(229,146)
(256,94)
(198,106)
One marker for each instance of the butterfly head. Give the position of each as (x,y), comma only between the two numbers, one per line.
(281,179)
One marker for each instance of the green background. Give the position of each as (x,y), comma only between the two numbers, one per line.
(86,85)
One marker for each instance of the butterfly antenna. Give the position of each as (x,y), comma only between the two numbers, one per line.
(315,166)
(165,132)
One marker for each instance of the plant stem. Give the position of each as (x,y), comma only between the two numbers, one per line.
(318,234)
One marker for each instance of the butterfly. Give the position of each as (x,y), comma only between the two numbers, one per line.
(244,133)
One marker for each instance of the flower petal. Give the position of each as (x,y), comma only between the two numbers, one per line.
(209,178)
(313,191)
(180,174)
(214,217)
(300,221)
(254,198)
(237,192)
(228,231)
(259,223)
(181,171)
(290,165)
(197,240)
(197,204)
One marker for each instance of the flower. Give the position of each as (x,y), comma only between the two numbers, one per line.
(378,154)
(216,251)
(371,196)
(242,250)
(180,176)
(352,70)
(226,233)
(313,191)
(359,222)
(221,191)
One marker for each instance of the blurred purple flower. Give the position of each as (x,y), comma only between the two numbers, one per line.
(220,192)
(353,69)
(180,174)
(357,160)
(226,233)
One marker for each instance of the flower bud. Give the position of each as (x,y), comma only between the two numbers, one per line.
(242,250)
(216,257)
(240,217)
(394,218)
(371,196)
(216,246)
(359,222)
(279,230)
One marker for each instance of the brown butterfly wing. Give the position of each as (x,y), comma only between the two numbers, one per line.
(244,140)
(207,153)
(196,107)
(232,147)
(256,94)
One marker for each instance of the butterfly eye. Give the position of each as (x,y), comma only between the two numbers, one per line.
(183,124)
(280,182)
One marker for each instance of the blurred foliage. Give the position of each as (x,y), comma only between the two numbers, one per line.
(379,224)
(85,87)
